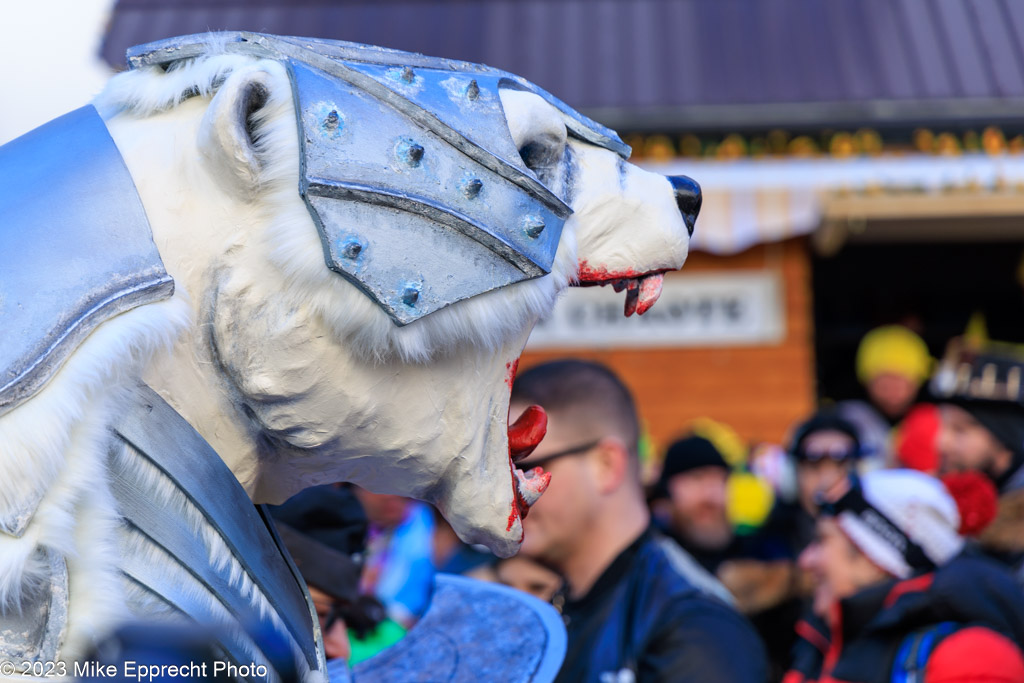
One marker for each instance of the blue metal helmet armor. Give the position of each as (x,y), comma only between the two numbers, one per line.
(409,171)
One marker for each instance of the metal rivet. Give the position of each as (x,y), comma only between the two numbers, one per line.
(472,188)
(410,295)
(473,90)
(414,154)
(533,226)
(332,120)
(408,75)
(352,249)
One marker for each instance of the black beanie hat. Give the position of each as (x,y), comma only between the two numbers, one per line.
(688,454)
(327,514)
(324,529)
(987,384)
(1004,420)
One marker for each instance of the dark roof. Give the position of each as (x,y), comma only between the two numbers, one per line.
(675,64)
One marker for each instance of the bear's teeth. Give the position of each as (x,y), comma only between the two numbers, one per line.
(532,483)
(632,296)
(650,290)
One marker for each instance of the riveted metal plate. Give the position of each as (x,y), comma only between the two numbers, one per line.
(410,219)
(444,261)
(419,140)
(169,50)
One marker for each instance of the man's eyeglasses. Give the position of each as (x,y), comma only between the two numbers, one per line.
(575,450)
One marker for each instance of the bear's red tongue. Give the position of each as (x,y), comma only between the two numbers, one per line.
(526,432)
(523,436)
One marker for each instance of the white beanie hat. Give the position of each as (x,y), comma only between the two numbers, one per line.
(905,521)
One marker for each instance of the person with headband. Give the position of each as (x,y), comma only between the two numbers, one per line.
(897,597)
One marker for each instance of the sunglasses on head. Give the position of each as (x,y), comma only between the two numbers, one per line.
(835,452)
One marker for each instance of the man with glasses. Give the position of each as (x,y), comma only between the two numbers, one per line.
(636,606)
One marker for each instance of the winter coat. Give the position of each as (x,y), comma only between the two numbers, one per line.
(655,615)
(962,622)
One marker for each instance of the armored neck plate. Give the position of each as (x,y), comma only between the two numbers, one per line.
(409,171)
(75,248)
(157,452)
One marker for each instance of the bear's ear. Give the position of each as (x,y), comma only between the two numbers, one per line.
(536,128)
(227,139)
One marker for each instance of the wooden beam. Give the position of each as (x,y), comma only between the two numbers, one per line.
(888,206)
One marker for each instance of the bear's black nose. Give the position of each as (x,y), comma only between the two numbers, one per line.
(688,199)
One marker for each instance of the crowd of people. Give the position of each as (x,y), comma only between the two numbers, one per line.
(884,541)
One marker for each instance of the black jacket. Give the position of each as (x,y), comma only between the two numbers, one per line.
(867,630)
(653,612)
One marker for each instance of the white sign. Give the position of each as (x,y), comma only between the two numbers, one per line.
(729,308)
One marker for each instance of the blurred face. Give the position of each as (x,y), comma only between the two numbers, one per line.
(820,471)
(384,510)
(698,507)
(522,573)
(567,510)
(837,567)
(892,393)
(964,444)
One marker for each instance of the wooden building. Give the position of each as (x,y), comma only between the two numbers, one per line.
(758,388)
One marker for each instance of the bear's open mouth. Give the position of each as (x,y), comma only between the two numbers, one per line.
(524,435)
(642,289)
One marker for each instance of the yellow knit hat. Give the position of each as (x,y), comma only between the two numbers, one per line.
(895,349)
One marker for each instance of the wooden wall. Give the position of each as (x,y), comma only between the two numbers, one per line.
(759,390)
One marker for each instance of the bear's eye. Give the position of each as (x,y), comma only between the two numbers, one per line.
(542,154)
(534,156)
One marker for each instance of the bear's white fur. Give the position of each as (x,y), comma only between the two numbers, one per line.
(293,375)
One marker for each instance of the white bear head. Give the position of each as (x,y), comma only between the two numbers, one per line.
(294,375)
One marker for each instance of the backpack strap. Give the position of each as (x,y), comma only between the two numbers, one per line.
(913,653)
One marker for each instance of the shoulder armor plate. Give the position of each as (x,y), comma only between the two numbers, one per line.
(75,247)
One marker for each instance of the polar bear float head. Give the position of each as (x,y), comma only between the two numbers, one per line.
(330,338)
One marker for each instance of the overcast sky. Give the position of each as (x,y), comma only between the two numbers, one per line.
(49,61)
